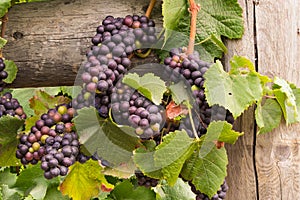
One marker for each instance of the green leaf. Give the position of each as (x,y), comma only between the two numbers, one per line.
(216,18)
(4,5)
(207,173)
(242,65)
(220,131)
(149,85)
(181,190)
(235,92)
(9,127)
(112,143)
(125,190)
(287,100)
(24,94)
(54,194)
(268,116)
(296,92)
(172,153)
(144,160)
(7,178)
(42,102)
(2,42)
(84,181)
(181,92)
(172,11)
(31,181)
(8,193)
(11,69)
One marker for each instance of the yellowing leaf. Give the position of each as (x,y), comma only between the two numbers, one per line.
(84,181)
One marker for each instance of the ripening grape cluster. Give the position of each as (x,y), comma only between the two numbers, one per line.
(192,68)
(131,108)
(3,74)
(221,193)
(11,106)
(107,62)
(52,141)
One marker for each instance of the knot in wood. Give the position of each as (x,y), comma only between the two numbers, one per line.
(18,35)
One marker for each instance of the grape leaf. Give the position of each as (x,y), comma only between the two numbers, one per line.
(149,85)
(268,116)
(42,102)
(221,131)
(181,190)
(296,92)
(207,173)
(215,18)
(9,127)
(124,170)
(8,193)
(287,100)
(4,5)
(31,181)
(144,159)
(2,42)
(242,65)
(84,181)
(11,69)
(24,94)
(235,92)
(7,180)
(125,190)
(54,194)
(181,92)
(112,143)
(171,154)
(30,121)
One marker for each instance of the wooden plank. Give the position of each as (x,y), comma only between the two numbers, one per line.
(241,174)
(278,43)
(50,39)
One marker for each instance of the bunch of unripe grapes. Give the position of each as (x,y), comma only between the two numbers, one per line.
(11,106)
(52,141)
(3,74)
(221,193)
(180,66)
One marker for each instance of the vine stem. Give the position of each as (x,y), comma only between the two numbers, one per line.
(150,8)
(193,9)
(192,121)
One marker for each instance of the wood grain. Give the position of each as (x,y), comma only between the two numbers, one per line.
(278,43)
(241,173)
(50,39)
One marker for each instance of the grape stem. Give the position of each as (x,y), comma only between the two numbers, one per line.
(193,9)
(192,121)
(150,8)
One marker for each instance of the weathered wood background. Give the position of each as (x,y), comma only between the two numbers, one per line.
(48,41)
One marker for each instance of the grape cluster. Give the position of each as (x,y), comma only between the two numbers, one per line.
(141,26)
(108,61)
(131,108)
(192,68)
(3,74)
(144,180)
(51,141)
(11,106)
(221,193)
